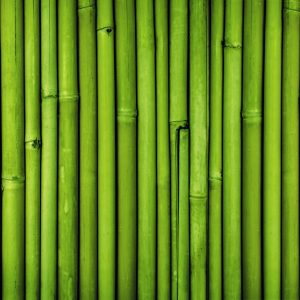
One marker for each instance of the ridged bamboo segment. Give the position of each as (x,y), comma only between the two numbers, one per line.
(272,152)
(178,115)
(146,150)
(215,152)
(163,152)
(252,147)
(183,216)
(199,146)
(290,150)
(126,105)
(49,150)
(106,151)
(32,147)
(88,149)
(68,151)
(13,152)
(232,149)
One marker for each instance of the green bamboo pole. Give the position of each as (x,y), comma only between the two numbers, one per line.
(88,148)
(126,105)
(49,150)
(251,147)
(68,151)
(163,152)
(272,152)
(232,149)
(215,152)
(146,150)
(199,146)
(290,150)
(32,148)
(106,151)
(13,158)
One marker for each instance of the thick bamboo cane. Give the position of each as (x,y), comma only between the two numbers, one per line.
(88,148)
(290,150)
(272,152)
(68,150)
(13,158)
(252,147)
(215,152)
(106,151)
(232,149)
(126,104)
(163,152)
(199,146)
(32,148)
(49,150)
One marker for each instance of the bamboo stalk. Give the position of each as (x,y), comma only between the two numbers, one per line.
(290,150)
(68,151)
(251,147)
(215,152)
(32,148)
(146,150)
(232,149)
(106,150)
(272,151)
(13,158)
(88,148)
(49,150)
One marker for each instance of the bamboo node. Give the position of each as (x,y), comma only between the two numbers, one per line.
(198,197)
(69,98)
(291,6)
(215,178)
(83,6)
(252,114)
(127,113)
(107,29)
(233,45)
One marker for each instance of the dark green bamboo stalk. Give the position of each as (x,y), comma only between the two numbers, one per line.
(146,150)
(251,147)
(68,150)
(290,150)
(232,149)
(163,152)
(49,150)
(126,96)
(199,146)
(33,143)
(215,152)
(13,158)
(88,148)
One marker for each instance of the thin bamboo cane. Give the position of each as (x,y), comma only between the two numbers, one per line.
(88,148)
(199,146)
(251,147)
(272,152)
(49,150)
(215,152)
(126,102)
(146,150)
(32,148)
(13,158)
(68,150)
(290,150)
(163,152)
(232,149)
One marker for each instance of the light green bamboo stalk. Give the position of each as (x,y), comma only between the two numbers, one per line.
(215,152)
(252,129)
(126,101)
(272,151)
(163,152)
(49,150)
(68,150)
(199,146)
(13,158)
(106,151)
(232,149)
(33,143)
(146,150)
(290,150)
(88,148)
